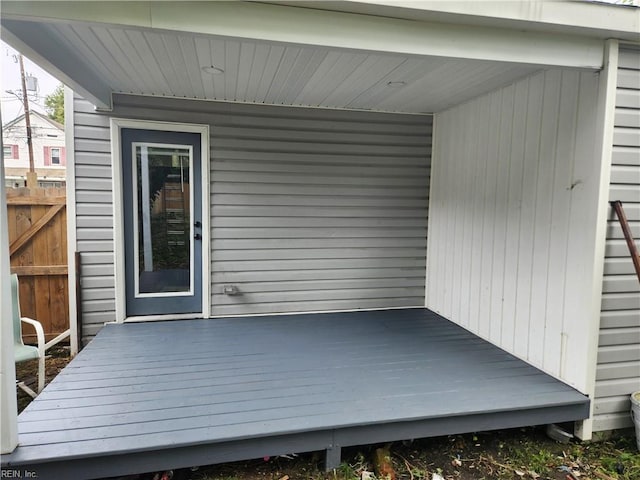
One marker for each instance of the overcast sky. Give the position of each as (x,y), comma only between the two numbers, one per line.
(11,105)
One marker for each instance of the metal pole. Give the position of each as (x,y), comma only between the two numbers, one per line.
(626,230)
(32,177)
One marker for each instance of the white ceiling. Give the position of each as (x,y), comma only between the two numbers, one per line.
(155,62)
(168,63)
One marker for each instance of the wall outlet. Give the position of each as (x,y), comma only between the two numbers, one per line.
(230,290)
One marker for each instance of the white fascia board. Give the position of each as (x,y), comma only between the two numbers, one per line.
(309,26)
(27,38)
(575,16)
(133,13)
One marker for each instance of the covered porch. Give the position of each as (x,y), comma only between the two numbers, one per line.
(293,98)
(150,396)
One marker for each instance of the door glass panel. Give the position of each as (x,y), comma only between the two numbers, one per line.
(164,248)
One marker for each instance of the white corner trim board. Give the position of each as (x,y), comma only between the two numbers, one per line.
(604,147)
(72,246)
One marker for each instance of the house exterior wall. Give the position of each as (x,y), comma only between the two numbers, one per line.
(311,209)
(514,190)
(618,373)
(45,136)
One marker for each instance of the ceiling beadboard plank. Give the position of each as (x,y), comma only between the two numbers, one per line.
(273,62)
(106,37)
(343,68)
(288,88)
(380,87)
(176,61)
(287,61)
(135,57)
(425,91)
(318,78)
(160,54)
(260,57)
(137,40)
(451,73)
(190,57)
(247,54)
(409,71)
(203,54)
(308,62)
(151,46)
(364,77)
(471,89)
(69,37)
(87,37)
(420,80)
(219,59)
(232,59)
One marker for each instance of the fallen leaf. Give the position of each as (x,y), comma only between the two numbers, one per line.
(437,476)
(367,475)
(533,474)
(520,473)
(456,462)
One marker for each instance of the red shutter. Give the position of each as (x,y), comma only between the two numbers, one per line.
(14,151)
(47,156)
(63,155)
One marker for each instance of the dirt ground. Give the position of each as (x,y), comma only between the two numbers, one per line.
(510,454)
(525,453)
(27,372)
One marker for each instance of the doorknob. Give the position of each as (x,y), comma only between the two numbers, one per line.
(197,236)
(197,224)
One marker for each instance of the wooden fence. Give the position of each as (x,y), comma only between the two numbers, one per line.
(38,250)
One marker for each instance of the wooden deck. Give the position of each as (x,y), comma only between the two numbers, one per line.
(149,396)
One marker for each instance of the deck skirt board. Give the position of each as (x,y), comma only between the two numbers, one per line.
(242,387)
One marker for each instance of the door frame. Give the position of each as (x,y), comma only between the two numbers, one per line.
(117,124)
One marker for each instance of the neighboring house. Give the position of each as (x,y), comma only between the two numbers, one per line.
(316,145)
(49,151)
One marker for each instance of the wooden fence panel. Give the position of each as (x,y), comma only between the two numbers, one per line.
(38,248)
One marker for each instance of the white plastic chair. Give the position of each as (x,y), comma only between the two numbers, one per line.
(23,352)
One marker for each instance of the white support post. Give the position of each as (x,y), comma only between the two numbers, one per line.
(8,401)
(72,246)
(606,113)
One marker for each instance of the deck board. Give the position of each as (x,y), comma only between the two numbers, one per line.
(148,391)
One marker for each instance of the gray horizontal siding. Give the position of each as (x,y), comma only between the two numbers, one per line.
(618,371)
(311,209)
(94,216)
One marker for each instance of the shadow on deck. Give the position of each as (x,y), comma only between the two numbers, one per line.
(152,396)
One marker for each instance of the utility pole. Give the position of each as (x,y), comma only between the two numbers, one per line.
(32,176)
